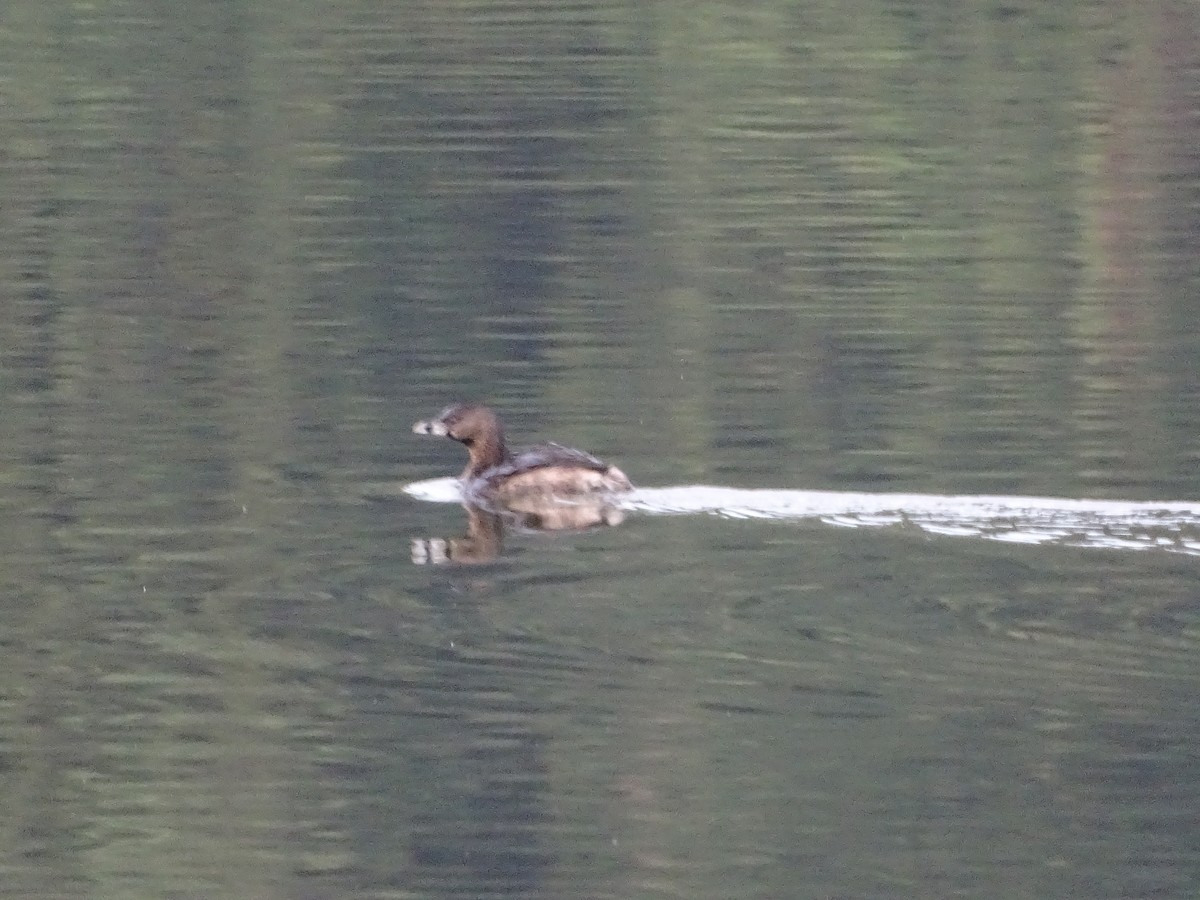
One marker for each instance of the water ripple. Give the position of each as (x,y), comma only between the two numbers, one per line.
(1172,526)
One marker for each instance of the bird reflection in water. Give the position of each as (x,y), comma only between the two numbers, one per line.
(484,540)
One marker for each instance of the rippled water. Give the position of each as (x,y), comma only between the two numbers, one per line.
(1102,524)
(897,266)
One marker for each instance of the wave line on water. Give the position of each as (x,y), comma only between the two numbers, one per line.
(1172,526)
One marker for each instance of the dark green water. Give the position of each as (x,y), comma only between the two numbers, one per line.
(878,247)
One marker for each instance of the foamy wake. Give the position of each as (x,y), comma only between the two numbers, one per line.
(1172,526)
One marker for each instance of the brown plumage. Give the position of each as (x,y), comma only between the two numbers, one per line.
(544,470)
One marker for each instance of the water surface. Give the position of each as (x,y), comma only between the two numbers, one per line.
(873,250)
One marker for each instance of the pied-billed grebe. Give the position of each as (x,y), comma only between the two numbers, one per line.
(544,470)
